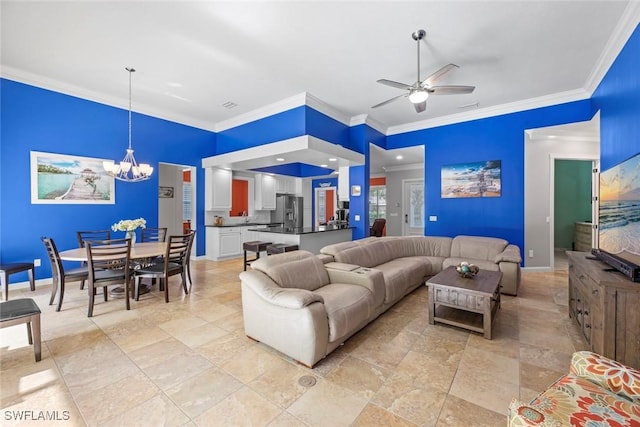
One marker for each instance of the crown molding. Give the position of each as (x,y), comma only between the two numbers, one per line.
(401,168)
(365,119)
(47,83)
(326,109)
(621,34)
(498,110)
(262,112)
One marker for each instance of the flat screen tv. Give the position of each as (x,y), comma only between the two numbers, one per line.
(619,217)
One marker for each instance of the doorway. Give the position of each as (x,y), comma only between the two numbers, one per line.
(413,207)
(177,207)
(325,203)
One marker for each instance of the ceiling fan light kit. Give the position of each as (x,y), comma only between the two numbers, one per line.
(421,89)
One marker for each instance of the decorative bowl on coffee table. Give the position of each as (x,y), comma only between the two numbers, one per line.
(467,270)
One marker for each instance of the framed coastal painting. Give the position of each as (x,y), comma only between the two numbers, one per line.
(475,179)
(66,179)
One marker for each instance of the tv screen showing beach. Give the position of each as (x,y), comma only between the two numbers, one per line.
(619,217)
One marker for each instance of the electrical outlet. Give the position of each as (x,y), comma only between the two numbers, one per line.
(36,262)
(530,253)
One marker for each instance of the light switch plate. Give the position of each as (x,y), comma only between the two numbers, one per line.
(433,218)
(357,217)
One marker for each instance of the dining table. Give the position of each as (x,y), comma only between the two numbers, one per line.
(139,251)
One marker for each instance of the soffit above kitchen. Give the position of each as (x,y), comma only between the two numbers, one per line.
(304,153)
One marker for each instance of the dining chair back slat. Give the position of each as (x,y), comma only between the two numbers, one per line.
(153,234)
(92,235)
(109,264)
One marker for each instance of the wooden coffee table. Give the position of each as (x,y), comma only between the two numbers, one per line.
(457,301)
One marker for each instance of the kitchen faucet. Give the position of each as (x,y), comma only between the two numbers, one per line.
(245,214)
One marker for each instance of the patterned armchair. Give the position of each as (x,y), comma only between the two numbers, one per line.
(597,391)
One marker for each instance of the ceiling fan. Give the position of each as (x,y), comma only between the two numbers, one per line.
(421,89)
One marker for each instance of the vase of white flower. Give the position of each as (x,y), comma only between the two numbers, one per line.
(131,235)
(130,226)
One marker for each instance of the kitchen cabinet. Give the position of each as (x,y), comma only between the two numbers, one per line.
(224,242)
(218,184)
(265,192)
(286,185)
(603,304)
(343,183)
(251,236)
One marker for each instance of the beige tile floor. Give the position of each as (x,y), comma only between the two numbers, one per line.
(189,363)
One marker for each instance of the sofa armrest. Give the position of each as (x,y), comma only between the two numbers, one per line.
(268,290)
(609,374)
(520,415)
(510,254)
(370,278)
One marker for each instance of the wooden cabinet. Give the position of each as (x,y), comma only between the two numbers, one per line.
(604,304)
(582,236)
(217,189)
(265,192)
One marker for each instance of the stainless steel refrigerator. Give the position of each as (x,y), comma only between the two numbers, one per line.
(289,211)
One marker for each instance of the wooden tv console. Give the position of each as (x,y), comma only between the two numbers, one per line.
(606,307)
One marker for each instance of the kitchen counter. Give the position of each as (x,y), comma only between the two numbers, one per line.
(307,238)
(243,224)
(298,231)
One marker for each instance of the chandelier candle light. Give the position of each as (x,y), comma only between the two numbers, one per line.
(128,169)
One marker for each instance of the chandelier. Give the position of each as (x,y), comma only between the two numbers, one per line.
(128,169)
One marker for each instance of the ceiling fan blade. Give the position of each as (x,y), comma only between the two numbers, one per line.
(430,80)
(420,106)
(390,100)
(450,90)
(395,84)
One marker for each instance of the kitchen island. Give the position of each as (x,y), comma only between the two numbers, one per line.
(307,238)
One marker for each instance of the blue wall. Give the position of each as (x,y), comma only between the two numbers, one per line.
(495,138)
(41,120)
(618,100)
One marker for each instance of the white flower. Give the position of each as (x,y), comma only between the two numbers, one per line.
(129,224)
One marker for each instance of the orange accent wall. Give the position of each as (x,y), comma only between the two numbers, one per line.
(330,208)
(239,197)
(378,181)
(186,176)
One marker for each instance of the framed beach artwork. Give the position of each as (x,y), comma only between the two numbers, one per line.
(66,179)
(476,179)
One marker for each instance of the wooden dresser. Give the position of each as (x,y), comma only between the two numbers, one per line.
(606,307)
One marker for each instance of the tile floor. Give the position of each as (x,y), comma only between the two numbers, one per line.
(189,363)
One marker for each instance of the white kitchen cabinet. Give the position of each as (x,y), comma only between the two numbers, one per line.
(224,242)
(286,185)
(343,183)
(265,192)
(217,189)
(250,236)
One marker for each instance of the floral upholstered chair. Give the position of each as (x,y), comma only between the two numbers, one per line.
(597,392)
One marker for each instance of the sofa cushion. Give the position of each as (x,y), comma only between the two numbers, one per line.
(477,248)
(349,307)
(296,269)
(400,276)
(367,255)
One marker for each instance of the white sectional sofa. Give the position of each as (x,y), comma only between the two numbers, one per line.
(305,305)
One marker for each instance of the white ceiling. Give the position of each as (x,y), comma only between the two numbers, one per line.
(192,57)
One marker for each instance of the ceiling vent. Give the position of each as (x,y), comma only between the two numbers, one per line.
(229,105)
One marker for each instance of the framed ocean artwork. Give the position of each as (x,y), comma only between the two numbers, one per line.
(474,179)
(66,179)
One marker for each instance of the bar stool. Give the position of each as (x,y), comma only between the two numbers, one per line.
(280,248)
(23,310)
(7,269)
(255,246)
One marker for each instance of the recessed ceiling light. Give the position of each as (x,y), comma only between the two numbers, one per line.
(280,159)
(323,166)
(333,159)
(398,157)
(227,168)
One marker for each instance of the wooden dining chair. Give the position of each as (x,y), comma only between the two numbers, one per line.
(153,234)
(174,262)
(92,235)
(188,263)
(82,236)
(59,274)
(108,262)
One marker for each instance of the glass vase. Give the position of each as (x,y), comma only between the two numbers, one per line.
(131,235)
